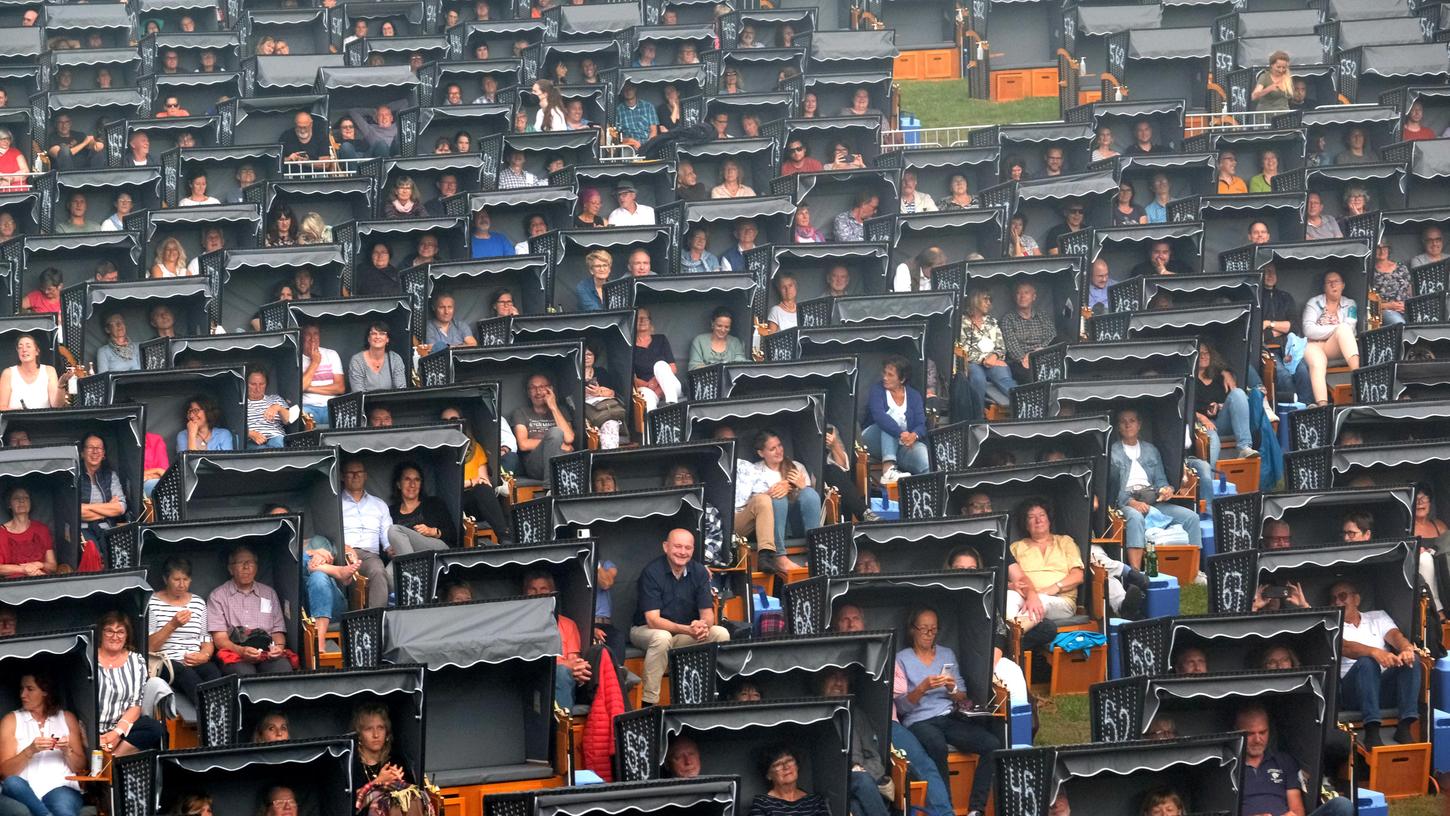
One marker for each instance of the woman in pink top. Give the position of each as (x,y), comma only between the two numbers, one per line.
(154,462)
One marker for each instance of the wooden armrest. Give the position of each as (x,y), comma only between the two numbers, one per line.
(470,529)
(831,507)
(862,469)
(358,596)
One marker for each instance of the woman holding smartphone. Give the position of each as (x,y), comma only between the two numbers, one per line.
(931,697)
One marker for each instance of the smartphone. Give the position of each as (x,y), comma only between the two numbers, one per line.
(1277,592)
(947,668)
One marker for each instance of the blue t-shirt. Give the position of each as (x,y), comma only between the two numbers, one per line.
(496,245)
(1266,788)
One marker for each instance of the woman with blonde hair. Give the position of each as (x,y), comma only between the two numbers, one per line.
(732,184)
(170,260)
(314,230)
(387,786)
(598,264)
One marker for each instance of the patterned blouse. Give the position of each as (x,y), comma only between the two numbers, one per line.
(1393,285)
(979,341)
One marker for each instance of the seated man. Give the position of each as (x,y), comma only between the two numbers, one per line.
(244,605)
(1160,261)
(1190,660)
(1276,535)
(570,668)
(1163,727)
(543,428)
(1379,668)
(365,522)
(1140,488)
(682,759)
(1271,778)
(849,618)
(866,562)
(266,413)
(868,766)
(675,608)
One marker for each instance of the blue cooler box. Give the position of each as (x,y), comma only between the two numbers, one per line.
(1115,648)
(1162,596)
(1372,803)
(887,509)
(1440,739)
(1021,725)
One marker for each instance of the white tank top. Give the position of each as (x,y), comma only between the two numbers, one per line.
(28,395)
(47,770)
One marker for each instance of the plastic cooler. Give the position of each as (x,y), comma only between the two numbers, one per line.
(911,127)
(1115,648)
(1163,596)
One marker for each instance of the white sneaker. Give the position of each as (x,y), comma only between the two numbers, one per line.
(892,474)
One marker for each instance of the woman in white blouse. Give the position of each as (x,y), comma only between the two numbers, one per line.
(196,192)
(177,629)
(170,260)
(30,383)
(40,745)
(782,315)
(732,183)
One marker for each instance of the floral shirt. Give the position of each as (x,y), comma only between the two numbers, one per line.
(979,341)
(1394,284)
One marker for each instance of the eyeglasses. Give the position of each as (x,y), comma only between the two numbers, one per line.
(797,149)
(171,104)
(925,630)
(782,764)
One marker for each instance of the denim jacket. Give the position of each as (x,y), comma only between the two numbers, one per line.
(1118,475)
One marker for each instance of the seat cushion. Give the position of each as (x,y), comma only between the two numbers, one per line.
(497,773)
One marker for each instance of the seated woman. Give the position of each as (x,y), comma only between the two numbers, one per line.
(1007,672)
(40,745)
(656,377)
(1329,326)
(929,692)
(154,462)
(838,475)
(717,345)
(203,416)
(895,422)
(170,260)
(590,291)
(282,291)
(376,368)
(420,522)
(103,502)
(796,504)
(386,785)
(121,679)
(30,383)
(543,428)
(479,498)
(1431,532)
(119,353)
(273,727)
(985,347)
(781,769)
(192,804)
(177,631)
(45,297)
(403,200)
(602,407)
(26,546)
(1217,399)
(1051,563)
(1391,282)
(696,257)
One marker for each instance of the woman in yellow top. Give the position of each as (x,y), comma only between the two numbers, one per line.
(479,498)
(1053,563)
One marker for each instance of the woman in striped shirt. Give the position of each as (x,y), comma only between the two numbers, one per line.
(176,629)
(124,729)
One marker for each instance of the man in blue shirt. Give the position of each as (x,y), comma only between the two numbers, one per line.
(1271,778)
(487,243)
(674,609)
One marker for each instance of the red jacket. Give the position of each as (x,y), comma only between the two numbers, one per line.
(599,724)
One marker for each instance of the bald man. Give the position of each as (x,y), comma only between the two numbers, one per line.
(674,608)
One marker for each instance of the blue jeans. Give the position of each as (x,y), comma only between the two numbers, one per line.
(888,448)
(324,596)
(922,768)
(940,734)
(801,515)
(1234,413)
(269,442)
(1205,480)
(1392,318)
(1368,687)
(146,488)
(1338,806)
(318,413)
(1133,525)
(977,377)
(865,797)
(58,802)
(10,807)
(563,686)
